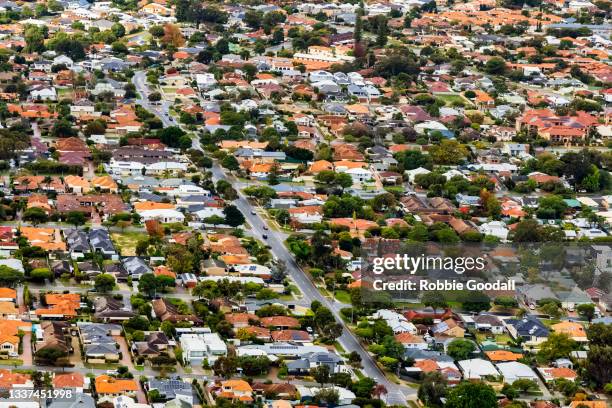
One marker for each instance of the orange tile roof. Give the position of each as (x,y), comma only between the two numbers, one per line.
(8,379)
(8,293)
(150,205)
(235,259)
(77,181)
(46,238)
(65,304)
(241,318)
(104,183)
(7,338)
(68,380)
(261,168)
(408,338)
(357,109)
(353,224)
(427,365)
(12,327)
(165,271)
(589,404)
(237,385)
(8,308)
(284,321)
(572,329)
(110,385)
(350,164)
(503,355)
(320,165)
(561,372)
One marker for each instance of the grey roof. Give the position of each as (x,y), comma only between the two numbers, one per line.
(101,348)
(77,240)
(246,152)
(80,401)
(135,265)
(168,388)
(537,292)
(529,326)
(427,355)
(576,295)
(484,318)
(99,238)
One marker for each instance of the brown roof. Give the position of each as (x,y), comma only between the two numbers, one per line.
(280,321)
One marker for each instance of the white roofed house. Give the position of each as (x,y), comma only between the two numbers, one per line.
(164,215)
(359,175)
(205,81)
(513,370)
(477,368)
(495,228)
(198,347)
(159,168)
(63,60)
(43,93)
(396,321)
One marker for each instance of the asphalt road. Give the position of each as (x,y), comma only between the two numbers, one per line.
(396,395)
(161,110)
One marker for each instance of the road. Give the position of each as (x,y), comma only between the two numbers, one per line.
(396,394)
(162,110)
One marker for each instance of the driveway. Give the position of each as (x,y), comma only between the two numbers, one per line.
(126,358)
(26,356)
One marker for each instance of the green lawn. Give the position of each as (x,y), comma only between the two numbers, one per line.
(343,296)
(499,338)
(11,362)
(450,99)
(295,290)
(126,241)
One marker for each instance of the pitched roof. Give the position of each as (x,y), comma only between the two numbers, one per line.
(503,355)
(68,380)
(110,385)
(281,321)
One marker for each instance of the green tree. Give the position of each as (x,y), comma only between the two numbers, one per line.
(433,389)
(148,285)
(558,345)
(230,162)
(587,311)
(233,216)
(448,152)
(35,215)
(495,66)
(41,274)
(434,299)
(471,395)
(460,349)
(9,277)
(104,282)
(75,218)
(320,374)
(225,366)
(599,364)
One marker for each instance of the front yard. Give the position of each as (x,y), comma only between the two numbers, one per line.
(126,242)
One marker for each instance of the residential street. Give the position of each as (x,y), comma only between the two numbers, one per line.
(397,395)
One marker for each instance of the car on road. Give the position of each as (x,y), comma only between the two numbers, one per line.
(265,227)
(253,212)
(265,236)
